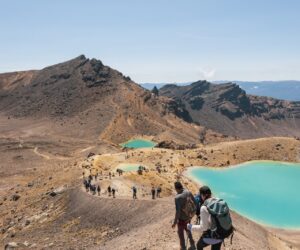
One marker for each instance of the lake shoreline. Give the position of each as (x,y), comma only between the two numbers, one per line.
(187,174)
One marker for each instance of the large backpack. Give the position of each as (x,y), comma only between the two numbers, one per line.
(189,207)
(221,226)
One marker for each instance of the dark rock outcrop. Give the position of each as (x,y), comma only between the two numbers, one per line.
(227,109)
(174,145)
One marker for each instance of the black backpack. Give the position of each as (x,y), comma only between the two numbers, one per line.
(221,227)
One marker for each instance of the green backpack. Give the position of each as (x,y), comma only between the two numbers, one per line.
(221,227)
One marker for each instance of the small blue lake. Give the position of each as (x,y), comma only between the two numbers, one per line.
(129,167)
(139,143)
(264,191)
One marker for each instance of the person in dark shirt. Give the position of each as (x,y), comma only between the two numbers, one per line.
(134,191)
(181,219)
(153,193)
(158,191)
(99,190)
(109,191)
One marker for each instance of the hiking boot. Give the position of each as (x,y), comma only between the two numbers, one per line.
(193,247)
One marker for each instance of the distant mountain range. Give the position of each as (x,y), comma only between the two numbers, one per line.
(285,90)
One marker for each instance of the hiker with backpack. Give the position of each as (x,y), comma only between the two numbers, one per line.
(215,221)
(185,210)
(134,191)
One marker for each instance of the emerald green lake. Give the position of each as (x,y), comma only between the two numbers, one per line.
(130,168)
(139,143)
(264,191)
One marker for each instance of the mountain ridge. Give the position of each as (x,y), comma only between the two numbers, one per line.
(227,109)
(284,90)
(84,97)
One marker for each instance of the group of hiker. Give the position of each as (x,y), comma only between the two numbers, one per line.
(213,218)
(155,193)
(111,191)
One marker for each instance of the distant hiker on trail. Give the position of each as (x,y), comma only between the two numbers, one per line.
(158,191)
(109,191)
(86,185)
(99,190)
(185,210)
(215,222)
(153,193)
(113,190)
(82,174)
(93,189)
(118,171)
(109,174)
(134,191)
(158,169)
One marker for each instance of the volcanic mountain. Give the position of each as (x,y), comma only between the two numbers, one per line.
(85,99)
(227,109)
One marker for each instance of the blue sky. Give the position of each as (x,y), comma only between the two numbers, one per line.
(157,40)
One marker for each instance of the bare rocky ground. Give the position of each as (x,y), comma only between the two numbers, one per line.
(44,206)
(55,212)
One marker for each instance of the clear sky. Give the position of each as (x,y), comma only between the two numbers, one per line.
(157,40)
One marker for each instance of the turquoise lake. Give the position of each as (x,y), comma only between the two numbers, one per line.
(264,191)
(130,168)
(139,143)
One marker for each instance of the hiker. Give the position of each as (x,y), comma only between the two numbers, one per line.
(158,191)
(198,206)
(93,189)
(185,209)
(134,191)
(214,230)
(158,169)
(109,174)
(153,193)
(113,190)
(98,190)
(86,184)
(109,191)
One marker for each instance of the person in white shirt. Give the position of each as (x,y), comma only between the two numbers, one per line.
(205,224)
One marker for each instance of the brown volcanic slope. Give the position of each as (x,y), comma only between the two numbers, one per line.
(227,109)
(85,99)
